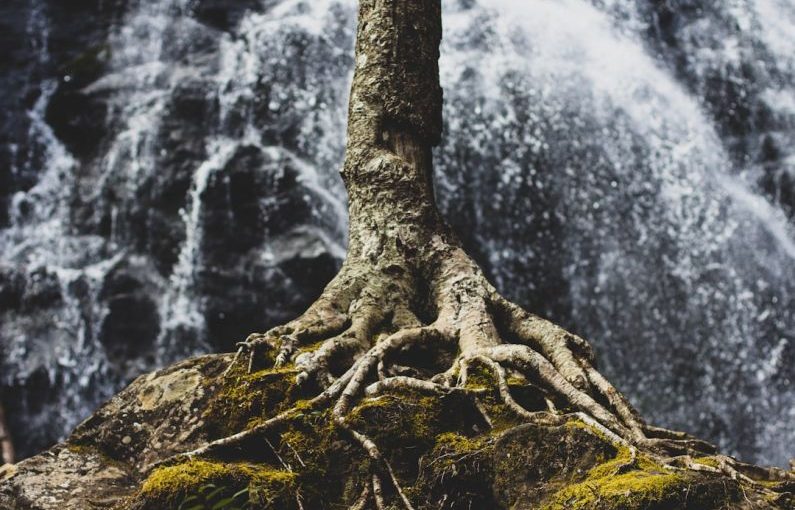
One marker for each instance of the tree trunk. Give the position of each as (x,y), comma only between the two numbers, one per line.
(6,446)
(394,119)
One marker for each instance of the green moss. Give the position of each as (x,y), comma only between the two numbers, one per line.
(168,487)
(707,461)
(242,400)
(272,488)
(620,462)
(326,464)
(411,418)
(459,443)
(457,472)
(516,381)
(579,424)
(404,427)
(181,478)
(451,447)
(607,486)
(312,347)
(480,377)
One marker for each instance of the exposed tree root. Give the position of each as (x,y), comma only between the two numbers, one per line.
(363,333)
(364,497)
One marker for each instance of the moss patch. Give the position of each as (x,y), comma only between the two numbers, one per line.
(637,488)
(407,425)
(480,377)
(169,487)
(243,400)
(644,484)
(707,461)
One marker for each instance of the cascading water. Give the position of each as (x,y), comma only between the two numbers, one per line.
(587,163)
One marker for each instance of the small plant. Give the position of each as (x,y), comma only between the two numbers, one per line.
(212,497)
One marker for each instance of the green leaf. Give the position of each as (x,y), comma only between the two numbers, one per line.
(223,503)
(240,493)
(189,499)
(211,496)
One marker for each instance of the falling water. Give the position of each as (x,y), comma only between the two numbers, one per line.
(607,162)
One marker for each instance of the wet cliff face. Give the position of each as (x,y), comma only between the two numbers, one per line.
(168,184)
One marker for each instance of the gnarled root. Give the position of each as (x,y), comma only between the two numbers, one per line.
(357,340)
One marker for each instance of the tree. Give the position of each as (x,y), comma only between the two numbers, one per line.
(6,446)
(407,284)
(410,313)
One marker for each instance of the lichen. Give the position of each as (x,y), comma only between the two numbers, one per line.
(86,450)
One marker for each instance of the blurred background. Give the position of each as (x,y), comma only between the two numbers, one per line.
(168,184)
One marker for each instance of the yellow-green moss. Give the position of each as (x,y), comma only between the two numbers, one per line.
(480,377)
(644,484)
(171,485)
(579,424)
(450,447)
(460,443)
(181,478)
(415,417)
(516,381)
(312,347)
(244,400)
(707,461)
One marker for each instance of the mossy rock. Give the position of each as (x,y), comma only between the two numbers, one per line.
(443,452)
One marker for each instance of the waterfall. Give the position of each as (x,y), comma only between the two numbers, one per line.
(623,168)
(666,253)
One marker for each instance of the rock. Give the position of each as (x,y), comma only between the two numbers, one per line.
(67,478)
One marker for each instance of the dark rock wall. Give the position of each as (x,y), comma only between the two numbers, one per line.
(168,184)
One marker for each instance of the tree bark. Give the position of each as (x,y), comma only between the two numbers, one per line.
(6,446)
(394,120)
